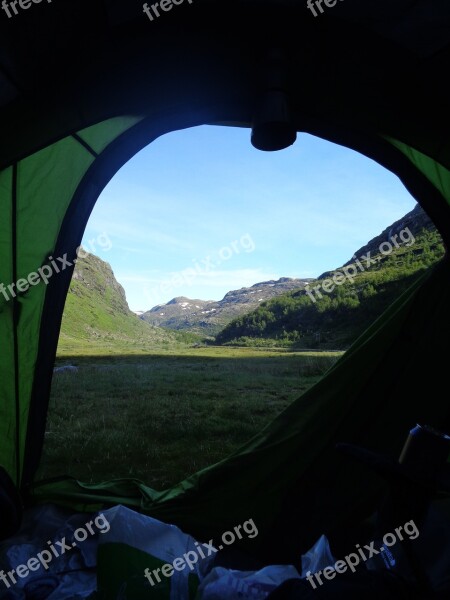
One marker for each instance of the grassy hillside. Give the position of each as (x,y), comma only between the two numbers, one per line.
(97,318)
(336,319)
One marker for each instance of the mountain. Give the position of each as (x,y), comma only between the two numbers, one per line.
(416,221)
(97,318)
(208,317)
(298,312)
(334,310)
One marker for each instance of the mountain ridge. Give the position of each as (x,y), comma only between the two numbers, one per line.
(97,316)
(208,317)
(332,314)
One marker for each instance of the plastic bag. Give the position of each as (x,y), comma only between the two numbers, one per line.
(228,584)
(318,557)
(69,574)
(137,546)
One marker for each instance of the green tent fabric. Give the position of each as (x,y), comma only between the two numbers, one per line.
(84,85)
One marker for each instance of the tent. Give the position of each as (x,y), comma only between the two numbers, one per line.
(84,85)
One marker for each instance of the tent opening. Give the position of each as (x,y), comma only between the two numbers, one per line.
(247,276)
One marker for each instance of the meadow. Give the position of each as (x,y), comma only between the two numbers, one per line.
(160,416)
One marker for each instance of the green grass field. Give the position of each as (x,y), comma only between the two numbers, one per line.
(160,417)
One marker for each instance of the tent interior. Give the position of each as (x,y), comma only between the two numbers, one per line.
(85,85)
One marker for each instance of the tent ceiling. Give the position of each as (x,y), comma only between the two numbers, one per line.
(7,91)
(67,59)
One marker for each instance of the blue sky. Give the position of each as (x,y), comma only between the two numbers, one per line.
(200,212)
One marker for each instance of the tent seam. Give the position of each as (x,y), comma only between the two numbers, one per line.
(85,145)
(15,309)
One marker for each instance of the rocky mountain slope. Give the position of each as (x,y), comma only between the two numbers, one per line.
(209,317)
(97,318)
